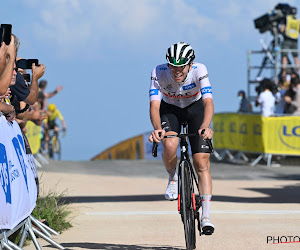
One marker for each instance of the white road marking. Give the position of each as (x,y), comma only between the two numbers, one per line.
(125,213)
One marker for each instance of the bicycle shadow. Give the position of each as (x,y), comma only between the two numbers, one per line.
(89,245)
(285,194)
(118,198)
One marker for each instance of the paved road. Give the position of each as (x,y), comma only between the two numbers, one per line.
(120,205)
(154,169)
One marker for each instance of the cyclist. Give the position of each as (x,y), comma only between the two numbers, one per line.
(50,123)
(180,91)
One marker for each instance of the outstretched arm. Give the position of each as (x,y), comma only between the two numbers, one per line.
(53,93)
(37,73)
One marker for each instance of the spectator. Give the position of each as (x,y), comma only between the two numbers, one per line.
(9,53)
(292,98)
(21,89)
(43,96)
(266,98)
(245,105)
(290,30)
(6,106)
(283,85)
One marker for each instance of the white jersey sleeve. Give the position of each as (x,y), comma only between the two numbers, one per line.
(205,87)
(155,88)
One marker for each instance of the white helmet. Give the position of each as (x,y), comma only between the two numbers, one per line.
(180,54)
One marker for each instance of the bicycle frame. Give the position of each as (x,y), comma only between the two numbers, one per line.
(53,143)
(184,157)
(188,204)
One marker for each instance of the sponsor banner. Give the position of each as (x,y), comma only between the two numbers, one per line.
(238,132)
(282,135)
(33,136)
(130,149)
(255,133)
(18,189)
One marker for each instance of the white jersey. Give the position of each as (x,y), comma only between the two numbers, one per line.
(195,86)
(267,101)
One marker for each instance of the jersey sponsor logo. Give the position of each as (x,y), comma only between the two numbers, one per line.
(169,87)
(153,92)
(153,78)
(180,96)
(163,68)
(203,77)
(206,90)
(190,86)
(194,67)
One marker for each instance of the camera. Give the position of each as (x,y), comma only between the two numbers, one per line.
(273,17)
(5,33)
(27,63)
(266,84)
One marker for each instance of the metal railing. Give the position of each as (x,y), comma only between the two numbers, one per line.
(271,62)
(33,227)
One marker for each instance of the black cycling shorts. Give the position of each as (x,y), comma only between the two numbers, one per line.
(172,117)
(51,124)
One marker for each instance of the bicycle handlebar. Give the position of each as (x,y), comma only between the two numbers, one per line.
(155,144)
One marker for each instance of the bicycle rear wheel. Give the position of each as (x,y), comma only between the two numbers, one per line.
(187,207)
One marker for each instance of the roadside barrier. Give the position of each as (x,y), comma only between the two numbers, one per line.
(234,133)
(252,133)
(18,190)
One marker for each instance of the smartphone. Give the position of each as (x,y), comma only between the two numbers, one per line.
(27,63)
(7,33)
(26,77)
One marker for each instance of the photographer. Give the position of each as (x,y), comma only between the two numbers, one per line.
(290,30)
(21,89)
(266,98)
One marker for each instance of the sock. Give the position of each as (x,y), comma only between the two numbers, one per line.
(172,174)
(205,199)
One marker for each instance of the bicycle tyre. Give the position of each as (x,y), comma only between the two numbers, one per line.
(50,150)
(187,207)
(57,149)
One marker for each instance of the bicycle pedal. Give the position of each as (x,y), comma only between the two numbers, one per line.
(208,230)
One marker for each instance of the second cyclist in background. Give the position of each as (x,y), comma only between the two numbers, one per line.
(50,123)
(180,91)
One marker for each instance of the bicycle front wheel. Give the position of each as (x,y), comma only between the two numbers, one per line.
(57,149)
(187,206)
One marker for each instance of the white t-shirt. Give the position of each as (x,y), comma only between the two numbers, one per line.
(267,102)
(182,94)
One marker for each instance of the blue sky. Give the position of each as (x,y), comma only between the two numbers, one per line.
(103,52)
